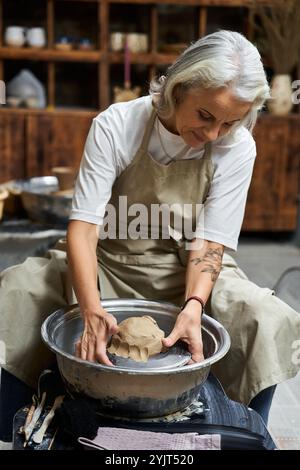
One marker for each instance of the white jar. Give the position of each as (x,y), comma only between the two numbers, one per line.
(143,38)
(36,37)
(117,41)
(137,42)
(15,36)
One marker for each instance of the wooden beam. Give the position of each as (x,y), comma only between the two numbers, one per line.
(103,67)
(154,29)
(202,21)
(55,55)
(51,85)
(1,23)
(50,23)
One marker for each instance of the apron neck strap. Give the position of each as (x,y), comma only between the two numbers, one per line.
(148,131)
(208,151)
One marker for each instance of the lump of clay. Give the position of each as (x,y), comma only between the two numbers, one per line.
(138,338)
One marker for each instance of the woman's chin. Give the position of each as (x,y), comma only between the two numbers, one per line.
(196,142)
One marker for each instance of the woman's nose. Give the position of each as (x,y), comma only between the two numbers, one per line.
(211,132)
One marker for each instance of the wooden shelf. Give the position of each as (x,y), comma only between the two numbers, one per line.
(23,53)
(146,58)
(206,3)
(263,117)
(32,141)
(46,55)
(201,3)
(52,111)
(102,57)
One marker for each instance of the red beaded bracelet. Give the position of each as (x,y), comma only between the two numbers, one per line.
(195,298)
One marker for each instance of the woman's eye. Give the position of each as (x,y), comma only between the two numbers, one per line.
(202,116)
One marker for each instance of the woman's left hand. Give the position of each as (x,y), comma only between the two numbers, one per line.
(188,329)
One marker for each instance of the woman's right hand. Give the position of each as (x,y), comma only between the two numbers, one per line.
(98,328)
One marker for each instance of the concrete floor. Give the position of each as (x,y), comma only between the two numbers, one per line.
(264,261)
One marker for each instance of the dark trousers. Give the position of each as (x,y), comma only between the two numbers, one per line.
(14,394)
(262,402)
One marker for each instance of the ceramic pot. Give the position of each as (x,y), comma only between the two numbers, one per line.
(137,42)
(15,36)
(117,42)
(36,37)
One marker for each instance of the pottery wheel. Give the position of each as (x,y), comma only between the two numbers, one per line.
(176,356)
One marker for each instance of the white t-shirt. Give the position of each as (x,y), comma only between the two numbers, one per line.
(113,140)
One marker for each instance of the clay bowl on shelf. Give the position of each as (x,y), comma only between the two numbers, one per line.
(64,44)
(85,44)
(13,101)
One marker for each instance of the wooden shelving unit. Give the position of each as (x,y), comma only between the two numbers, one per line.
(48,55)
(33,141)
(102,57)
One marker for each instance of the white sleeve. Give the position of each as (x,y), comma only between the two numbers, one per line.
(224,207)
(97,174)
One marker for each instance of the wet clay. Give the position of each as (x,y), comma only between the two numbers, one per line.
(138,339)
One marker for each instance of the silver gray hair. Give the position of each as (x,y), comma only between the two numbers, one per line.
(222,59)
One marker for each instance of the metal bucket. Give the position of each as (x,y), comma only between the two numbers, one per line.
(135,393)
(39,201)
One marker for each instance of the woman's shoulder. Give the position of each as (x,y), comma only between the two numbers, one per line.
(234,150)
(125,113)
(240,138)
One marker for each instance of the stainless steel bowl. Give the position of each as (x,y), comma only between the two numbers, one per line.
(138,393)
(39,201)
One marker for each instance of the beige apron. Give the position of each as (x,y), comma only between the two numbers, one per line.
(262,328)
(148,268)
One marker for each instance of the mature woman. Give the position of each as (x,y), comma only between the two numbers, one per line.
(189,142)
(187,146)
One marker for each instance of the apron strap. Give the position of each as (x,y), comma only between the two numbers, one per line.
(208,151)
(148,132)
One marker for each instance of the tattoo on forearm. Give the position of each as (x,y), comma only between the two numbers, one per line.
(212,262)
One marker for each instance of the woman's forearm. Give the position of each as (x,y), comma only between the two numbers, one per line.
(204,266)
(81,246)
(99,325)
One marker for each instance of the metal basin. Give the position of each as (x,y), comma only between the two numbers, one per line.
(39,201)
(136,393)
